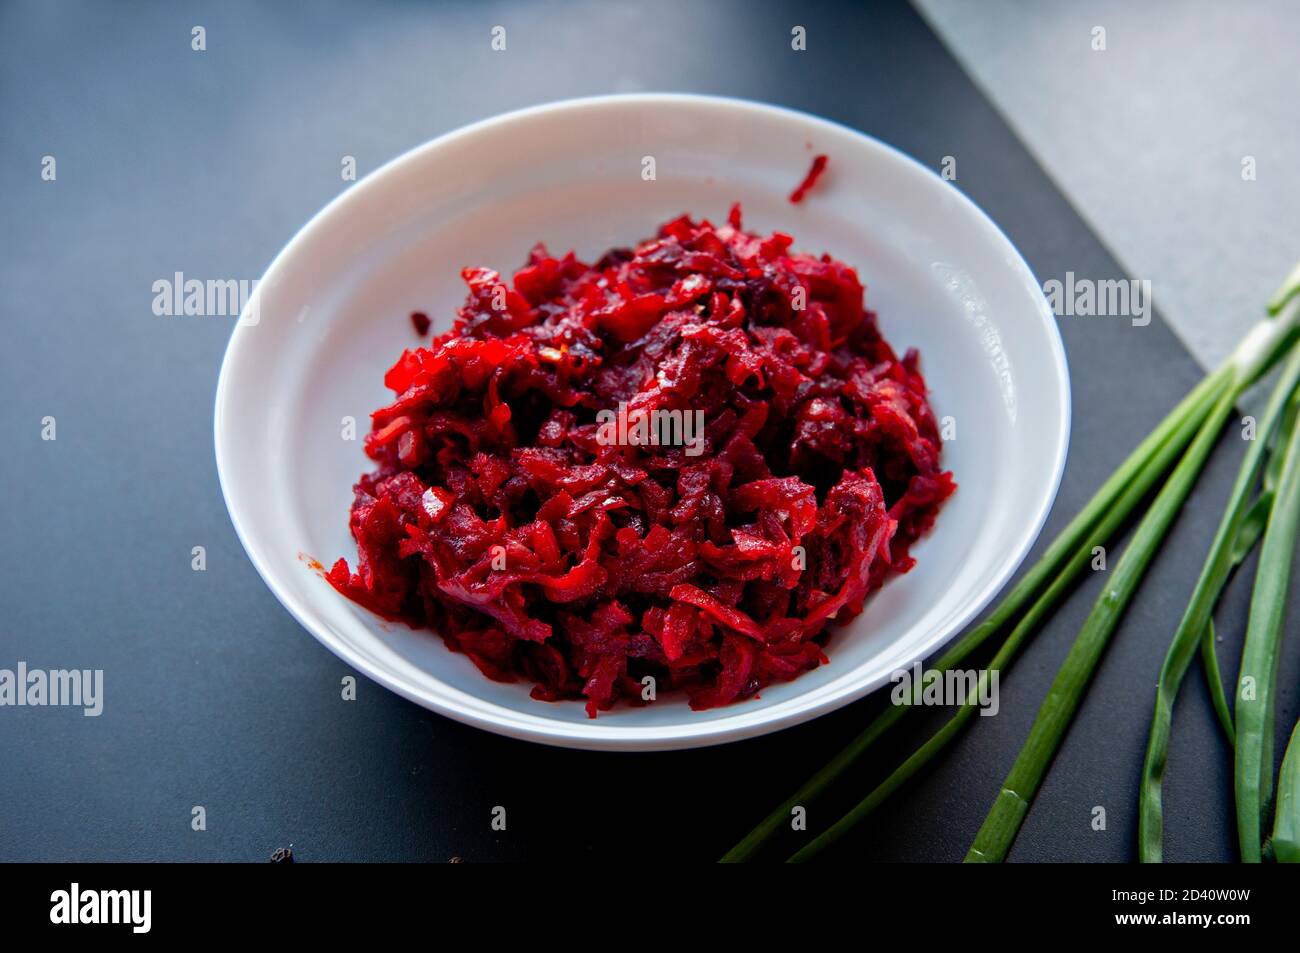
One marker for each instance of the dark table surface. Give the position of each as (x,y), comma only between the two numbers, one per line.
(207,162)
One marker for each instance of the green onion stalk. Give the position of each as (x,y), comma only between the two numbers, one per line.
(1286,822)
(1214,681)
(1261,348)
(1257,681)
(1197,627)
(1285,842)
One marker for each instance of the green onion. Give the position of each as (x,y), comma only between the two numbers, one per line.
(1286,825)
(1214,681)
(1282,297)
(1104,505)
(1284,845)
(1196,626)
(1252,528)
(1261,347)
(998,832)
(1254,749)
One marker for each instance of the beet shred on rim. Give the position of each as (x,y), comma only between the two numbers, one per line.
(503,516)
(814,173)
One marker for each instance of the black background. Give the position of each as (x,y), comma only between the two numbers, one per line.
(172,160)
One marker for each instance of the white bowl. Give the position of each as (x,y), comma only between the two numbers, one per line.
(331,315)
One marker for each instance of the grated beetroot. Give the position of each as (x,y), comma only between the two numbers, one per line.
(814,173)
(499,517)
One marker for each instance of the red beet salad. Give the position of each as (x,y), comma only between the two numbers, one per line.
(674,468)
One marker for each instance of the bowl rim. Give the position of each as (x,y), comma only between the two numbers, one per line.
(594,735)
